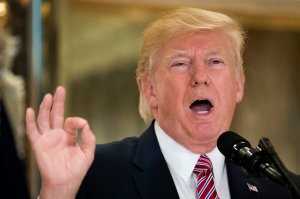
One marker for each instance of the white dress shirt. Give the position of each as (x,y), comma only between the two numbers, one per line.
(181,163)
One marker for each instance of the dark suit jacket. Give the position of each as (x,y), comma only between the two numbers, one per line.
(135,168)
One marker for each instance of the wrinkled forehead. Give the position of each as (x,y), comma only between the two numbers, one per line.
(174,53)
(189,44)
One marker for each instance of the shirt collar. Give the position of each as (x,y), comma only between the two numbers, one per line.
(182,160)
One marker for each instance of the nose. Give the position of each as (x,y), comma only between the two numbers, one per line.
(199,76)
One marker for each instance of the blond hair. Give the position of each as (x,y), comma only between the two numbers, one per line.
(180,21)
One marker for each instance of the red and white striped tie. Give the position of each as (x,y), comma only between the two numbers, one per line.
(205,185)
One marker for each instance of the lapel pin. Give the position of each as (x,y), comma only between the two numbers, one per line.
(252,188)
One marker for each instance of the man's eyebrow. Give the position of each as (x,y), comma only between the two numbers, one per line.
(177,53)
(215,52)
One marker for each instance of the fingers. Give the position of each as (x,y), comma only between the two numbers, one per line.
(44,112)
(31,128)
(48,119)
(58,107)
(51,112)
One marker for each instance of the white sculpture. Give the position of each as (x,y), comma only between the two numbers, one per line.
(12,89)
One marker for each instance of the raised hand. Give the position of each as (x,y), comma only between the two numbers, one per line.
(62,161)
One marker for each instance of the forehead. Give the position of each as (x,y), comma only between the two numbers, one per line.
(204,42)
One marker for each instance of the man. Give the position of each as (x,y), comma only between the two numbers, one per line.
(190,77)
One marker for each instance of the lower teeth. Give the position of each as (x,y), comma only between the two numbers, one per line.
(202,112)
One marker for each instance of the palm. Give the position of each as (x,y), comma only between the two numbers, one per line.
(61,150)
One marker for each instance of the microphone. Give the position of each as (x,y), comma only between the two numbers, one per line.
(239,151)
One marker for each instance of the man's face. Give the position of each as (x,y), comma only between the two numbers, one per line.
(193,88)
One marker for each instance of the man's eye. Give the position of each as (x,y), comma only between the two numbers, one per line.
(179,64)
(216,61)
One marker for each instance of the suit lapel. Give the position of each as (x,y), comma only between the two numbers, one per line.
(243,186)
(240,185)
(152,178)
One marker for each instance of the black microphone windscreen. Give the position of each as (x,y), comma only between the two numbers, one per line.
(227,140)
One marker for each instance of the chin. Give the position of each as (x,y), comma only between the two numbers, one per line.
(206,133)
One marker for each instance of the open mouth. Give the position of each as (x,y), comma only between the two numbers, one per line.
(201,107)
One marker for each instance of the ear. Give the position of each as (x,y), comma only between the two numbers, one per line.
(240,88)
(149,93)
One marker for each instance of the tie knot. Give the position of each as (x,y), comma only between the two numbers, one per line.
(203,165)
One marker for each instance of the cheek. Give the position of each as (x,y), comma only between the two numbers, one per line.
(228,91)
(167,93)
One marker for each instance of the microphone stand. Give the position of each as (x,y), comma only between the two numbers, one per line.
(286,178)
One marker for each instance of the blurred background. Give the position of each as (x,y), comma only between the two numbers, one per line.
(91,47)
